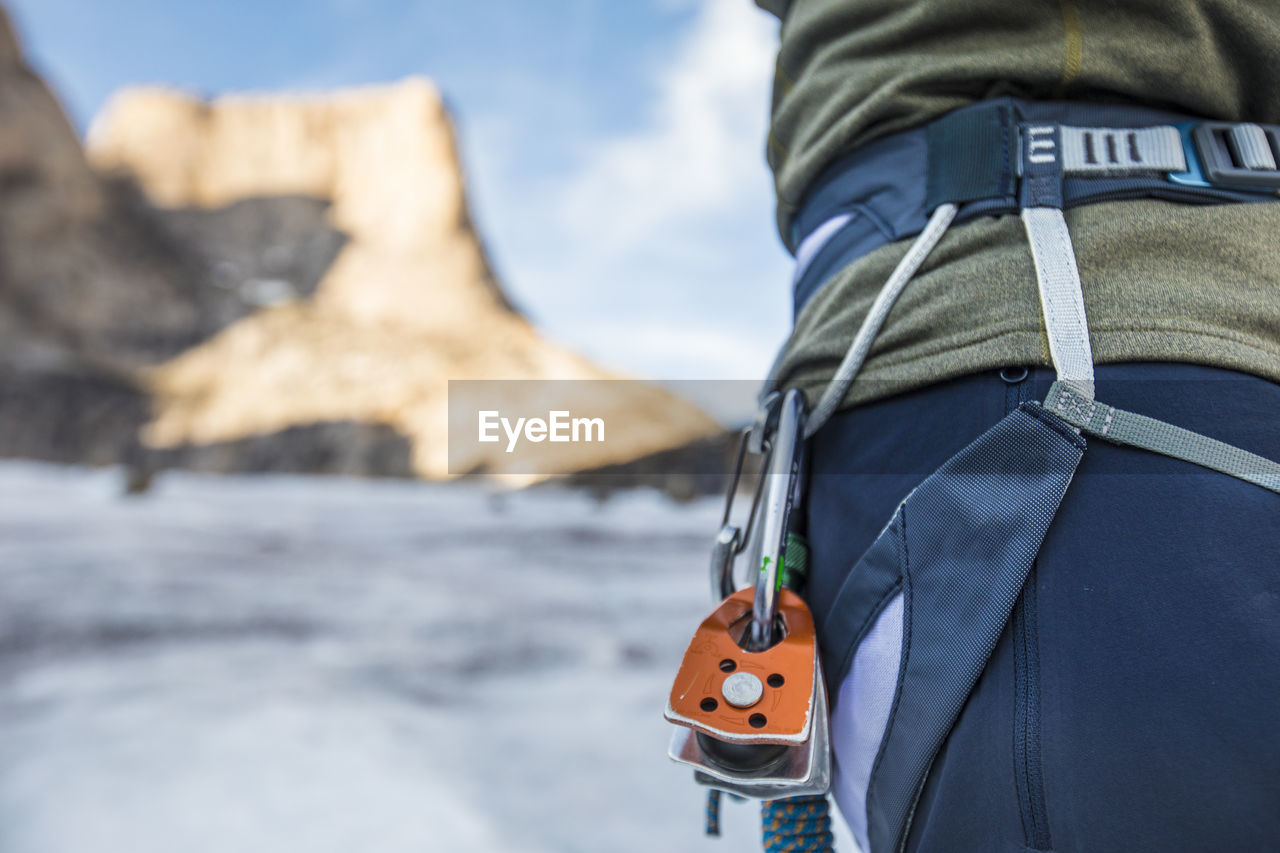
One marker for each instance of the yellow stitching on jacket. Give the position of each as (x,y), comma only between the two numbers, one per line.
(1073,43)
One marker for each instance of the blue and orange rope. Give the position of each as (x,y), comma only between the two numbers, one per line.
(793,825)
(796,825)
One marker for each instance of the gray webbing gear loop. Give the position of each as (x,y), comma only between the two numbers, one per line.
(1133,430)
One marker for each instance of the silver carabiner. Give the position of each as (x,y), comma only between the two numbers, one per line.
(783,481)
(777,434)
(732,540)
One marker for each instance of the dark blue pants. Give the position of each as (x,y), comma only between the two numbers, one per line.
(1133,701)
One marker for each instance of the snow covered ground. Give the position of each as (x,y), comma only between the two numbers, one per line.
(296,664)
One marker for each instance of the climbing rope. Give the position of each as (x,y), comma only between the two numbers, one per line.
(860,346)
(796,825)
(713,810)
(713,813)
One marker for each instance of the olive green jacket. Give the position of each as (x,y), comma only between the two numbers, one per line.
(1162,281)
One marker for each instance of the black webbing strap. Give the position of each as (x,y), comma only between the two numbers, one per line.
(972,156)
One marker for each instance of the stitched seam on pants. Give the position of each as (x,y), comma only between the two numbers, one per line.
(1026,689)
(1027,752)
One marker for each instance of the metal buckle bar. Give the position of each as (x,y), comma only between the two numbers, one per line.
(1230,155)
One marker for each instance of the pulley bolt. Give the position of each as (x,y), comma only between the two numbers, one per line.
(742,690)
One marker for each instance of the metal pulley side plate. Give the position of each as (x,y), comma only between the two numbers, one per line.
(787,709)
(804,769)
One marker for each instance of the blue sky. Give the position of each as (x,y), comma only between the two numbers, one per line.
(613,147)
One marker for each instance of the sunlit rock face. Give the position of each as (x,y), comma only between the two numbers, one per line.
(383,156)
(227,271)
(408,303)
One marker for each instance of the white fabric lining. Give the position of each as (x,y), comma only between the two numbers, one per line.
(862,714)
(811,245)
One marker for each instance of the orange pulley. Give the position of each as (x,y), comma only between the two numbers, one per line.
(749,701)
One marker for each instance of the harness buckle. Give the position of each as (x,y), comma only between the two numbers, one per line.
(1230,155)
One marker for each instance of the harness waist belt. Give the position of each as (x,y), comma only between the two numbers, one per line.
(974,158)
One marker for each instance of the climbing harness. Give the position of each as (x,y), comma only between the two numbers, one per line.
(950,564)
(885,191)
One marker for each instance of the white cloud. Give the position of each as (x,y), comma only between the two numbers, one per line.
(649,249)
(699,150)
(692,348)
